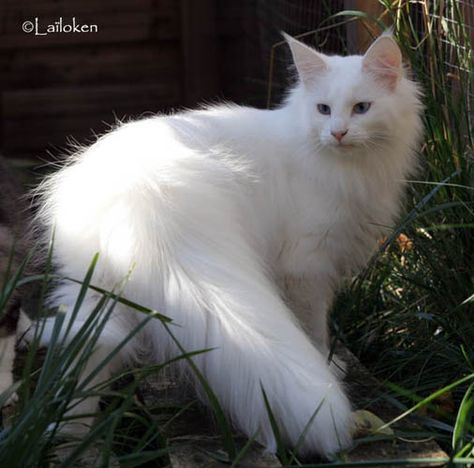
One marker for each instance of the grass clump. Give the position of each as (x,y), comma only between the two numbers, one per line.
(409,316)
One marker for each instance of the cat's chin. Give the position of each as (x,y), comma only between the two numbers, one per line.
(344,149)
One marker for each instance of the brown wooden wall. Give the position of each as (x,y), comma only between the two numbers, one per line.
(147,56)
(62,85)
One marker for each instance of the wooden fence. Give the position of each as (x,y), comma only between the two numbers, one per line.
(146,56)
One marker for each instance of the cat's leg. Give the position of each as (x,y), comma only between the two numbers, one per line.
(89,365)
(8,326)
(83,410)
(7,358)
(310,300)
(22,330)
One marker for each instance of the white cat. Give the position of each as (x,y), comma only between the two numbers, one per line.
(212,211)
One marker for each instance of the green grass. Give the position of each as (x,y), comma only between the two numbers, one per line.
(30,437)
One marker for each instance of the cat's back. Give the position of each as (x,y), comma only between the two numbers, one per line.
(185,154)
(219,141)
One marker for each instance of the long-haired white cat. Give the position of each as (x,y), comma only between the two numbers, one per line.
(211,212)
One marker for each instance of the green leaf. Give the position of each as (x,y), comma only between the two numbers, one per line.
(463,427)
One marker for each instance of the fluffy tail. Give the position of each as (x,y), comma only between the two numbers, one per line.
(257,344)
(181,242)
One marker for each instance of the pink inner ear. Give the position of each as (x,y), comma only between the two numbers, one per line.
(389,62)
(385,69)
(383,61)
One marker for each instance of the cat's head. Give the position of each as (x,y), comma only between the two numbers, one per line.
(356,103)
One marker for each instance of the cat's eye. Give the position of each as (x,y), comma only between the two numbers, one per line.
(324,109)
(361,107)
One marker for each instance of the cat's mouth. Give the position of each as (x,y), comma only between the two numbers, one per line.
(342,145)
(345,146)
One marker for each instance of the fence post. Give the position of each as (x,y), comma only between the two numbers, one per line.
(199,51)
(360,32)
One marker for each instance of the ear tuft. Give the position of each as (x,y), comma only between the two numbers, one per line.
(309,63)
(384,61)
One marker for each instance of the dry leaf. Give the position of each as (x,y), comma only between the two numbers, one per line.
(366,423)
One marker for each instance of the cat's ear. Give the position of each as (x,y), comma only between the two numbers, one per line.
(309,63)
(384,61)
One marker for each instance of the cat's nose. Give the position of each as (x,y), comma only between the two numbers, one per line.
(339,135)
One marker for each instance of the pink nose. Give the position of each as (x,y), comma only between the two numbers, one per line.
(339,135)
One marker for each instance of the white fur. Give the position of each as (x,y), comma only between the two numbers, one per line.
(211,210)
(8,346)
(7,359)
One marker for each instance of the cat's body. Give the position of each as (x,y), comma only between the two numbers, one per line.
(210,212)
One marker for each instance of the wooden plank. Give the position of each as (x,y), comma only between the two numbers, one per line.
(74,100)
(50,116)
(49,133)
(197,451)
(133,63)
(200,68)
(124,22)
(468,15)
(230,19)
(79,6)
(232,68)
(360,32)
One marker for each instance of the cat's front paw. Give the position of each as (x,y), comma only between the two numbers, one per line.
(25,331)
(314,416)
(338,366)
(330,431)
(12,400)
(6,381)
(74,428)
